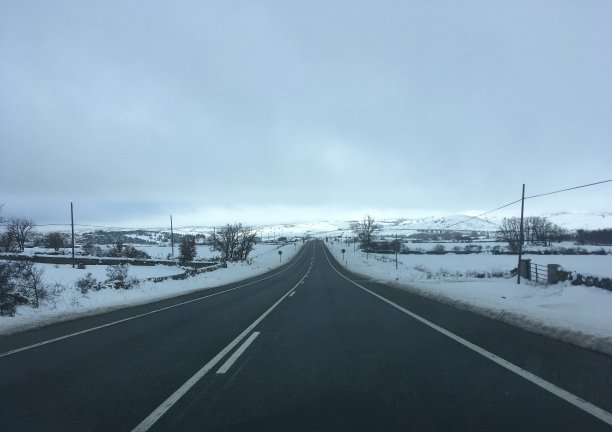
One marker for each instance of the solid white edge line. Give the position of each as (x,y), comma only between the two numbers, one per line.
(578,402)
(28,347)
(232,359)
(150,420)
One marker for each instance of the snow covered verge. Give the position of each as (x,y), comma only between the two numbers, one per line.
(577,314)
(70,303)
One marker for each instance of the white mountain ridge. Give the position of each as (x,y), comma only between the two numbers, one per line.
(568,220)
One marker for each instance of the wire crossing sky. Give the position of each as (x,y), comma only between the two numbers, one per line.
(526,198)
(269,111)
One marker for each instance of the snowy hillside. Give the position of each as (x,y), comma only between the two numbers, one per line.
(570,221)
(586,220)
(404,225)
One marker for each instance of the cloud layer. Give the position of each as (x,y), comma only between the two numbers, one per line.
(311,108)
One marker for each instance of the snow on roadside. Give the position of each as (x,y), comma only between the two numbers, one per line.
(576,314)
(70,303)
(65,275)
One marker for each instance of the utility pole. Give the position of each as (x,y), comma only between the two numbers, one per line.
(171,236)
(72,225)
(518,273)
(396,248)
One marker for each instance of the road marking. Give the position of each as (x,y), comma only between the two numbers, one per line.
(152,418)
(28,347)
(230,361)
(540,382)
(291,295)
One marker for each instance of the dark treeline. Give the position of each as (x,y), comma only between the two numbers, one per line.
(594,237)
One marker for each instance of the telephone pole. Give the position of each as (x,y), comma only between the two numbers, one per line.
(72,226)
(396,249)
(171,237)
(520,251)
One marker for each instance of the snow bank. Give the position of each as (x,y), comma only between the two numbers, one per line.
(576,314)
(70,303)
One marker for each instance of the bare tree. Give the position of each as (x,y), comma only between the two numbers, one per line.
(234,242)
(54,241)
(32,284)
(510,231)
(366,231)
(537,229)
(225,241)
(19,229)
(246,242)
(557,234)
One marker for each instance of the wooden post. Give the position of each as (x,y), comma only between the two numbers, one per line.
(518,276)
(172,236)
(72,225)
(396,248)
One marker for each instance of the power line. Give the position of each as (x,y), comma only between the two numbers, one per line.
(529,197)
(482,214)
(568,189)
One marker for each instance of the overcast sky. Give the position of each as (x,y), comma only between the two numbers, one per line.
(282,111)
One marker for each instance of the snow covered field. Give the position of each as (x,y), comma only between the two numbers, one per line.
(577,314)
(487,246)
(449,266)
(70,303)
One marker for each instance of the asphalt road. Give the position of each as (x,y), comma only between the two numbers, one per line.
(306,347)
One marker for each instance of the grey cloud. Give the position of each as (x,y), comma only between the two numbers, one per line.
(399,106)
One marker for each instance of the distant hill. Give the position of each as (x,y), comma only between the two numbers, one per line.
(584,220)
(568,220)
